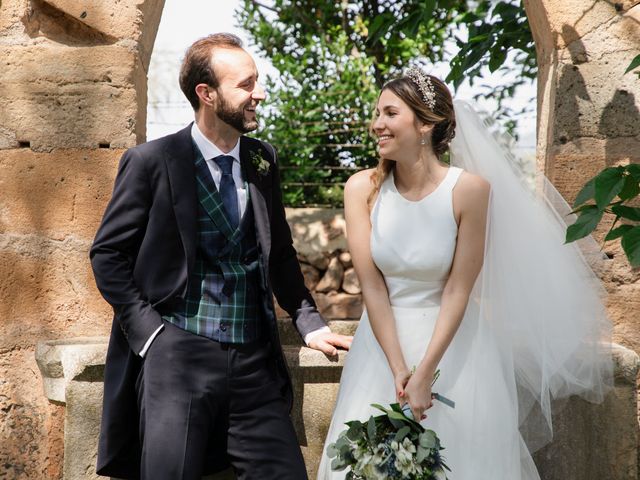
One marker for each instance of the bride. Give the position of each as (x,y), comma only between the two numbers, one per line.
(463,270)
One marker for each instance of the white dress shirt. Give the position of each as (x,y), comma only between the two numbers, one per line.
(209,151)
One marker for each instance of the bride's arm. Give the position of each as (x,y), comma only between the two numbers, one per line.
(471,199)
(374,289)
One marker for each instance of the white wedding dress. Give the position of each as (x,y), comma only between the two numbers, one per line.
(535,328)
(413,244)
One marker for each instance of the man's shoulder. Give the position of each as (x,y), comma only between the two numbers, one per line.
(153,148)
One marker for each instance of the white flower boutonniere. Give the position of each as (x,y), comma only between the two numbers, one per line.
(259,162)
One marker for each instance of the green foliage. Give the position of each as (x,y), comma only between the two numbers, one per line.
(333,57)
(610,192)
(370,449)
(635,63)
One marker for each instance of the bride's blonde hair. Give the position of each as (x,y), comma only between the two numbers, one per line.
(442,116)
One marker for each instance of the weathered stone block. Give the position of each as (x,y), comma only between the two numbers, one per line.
(82,97)
(59,194)
(48,290)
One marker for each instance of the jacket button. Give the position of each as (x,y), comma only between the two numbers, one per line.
(223,327)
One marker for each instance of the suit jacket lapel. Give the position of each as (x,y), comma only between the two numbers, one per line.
(257,198)
(179,158)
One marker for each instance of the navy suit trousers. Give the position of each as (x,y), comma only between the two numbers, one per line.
(194,393)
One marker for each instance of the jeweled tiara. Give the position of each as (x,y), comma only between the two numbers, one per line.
(423,81)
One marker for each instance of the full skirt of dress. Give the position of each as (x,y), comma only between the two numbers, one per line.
(480,434)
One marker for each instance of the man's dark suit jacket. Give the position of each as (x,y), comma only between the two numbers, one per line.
(143,254)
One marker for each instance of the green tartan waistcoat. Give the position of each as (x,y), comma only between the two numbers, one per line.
(224,294)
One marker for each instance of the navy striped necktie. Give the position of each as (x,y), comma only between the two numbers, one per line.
(228,190)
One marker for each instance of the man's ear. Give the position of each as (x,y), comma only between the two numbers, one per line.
(206,94)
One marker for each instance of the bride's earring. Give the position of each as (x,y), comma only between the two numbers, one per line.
(423,140)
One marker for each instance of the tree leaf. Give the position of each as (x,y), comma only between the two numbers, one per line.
(635,63)
(586,223)
(608,184)
(617,232)
(634,170)
(586,193)
(631,188)
(631,245)
(630,213)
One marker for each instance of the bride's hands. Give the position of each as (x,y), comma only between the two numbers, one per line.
(400,379)
(417,393)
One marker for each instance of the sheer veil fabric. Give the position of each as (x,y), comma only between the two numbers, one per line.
(537,298)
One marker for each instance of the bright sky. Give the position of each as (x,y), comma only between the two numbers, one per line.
(184,21)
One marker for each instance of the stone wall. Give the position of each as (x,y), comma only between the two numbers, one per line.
(589,117)
(72,96)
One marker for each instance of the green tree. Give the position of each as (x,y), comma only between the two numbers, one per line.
(333,57)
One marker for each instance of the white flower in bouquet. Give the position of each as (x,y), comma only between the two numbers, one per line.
(405,457)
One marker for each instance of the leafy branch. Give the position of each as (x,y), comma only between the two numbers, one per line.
(611,191)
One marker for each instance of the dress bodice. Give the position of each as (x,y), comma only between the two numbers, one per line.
(413,242)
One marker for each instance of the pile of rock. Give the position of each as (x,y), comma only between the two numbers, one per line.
(333,283)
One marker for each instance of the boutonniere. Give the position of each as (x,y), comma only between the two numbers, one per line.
(259,162)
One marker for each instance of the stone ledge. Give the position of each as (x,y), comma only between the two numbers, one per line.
(66,360)
(73,371)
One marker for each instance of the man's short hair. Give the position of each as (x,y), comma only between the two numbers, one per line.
(196,66)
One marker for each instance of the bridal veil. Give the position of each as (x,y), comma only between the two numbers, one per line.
(537,296)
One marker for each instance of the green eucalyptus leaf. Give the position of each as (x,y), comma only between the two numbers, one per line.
(354,431)
(631,245)
(428,439)
(608,184)
(397,416)
(586,223)
(332,451)
(422,454)
(630,213)
(587,192)
(397,424)
(403,432)
(617,232)
(371,429)
(337,464)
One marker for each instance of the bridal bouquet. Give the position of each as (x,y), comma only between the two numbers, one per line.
(391,446)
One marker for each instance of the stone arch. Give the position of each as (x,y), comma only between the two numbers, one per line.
(73,92)
(589,116)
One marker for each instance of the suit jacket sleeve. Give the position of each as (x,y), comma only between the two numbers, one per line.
(286,278)
(115,249)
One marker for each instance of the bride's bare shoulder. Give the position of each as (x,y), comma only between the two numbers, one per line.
(472,186)
(360,184)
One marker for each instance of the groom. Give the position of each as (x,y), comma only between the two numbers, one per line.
(192,245)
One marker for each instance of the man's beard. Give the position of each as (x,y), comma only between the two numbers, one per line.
(234,117)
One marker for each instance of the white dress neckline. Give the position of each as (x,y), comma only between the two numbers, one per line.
(394,188)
